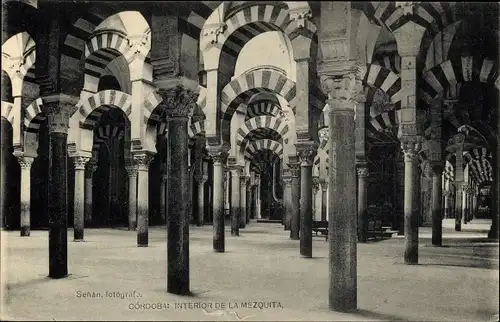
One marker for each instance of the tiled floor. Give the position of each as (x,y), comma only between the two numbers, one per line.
(261,267)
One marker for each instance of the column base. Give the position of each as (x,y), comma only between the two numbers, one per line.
(219,246)
(25,231)
(78,234)
(142,239)
(493,233)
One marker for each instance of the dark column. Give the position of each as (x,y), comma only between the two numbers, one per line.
(142,160)
(287,198)
(178,104)
(306,151)
(89,170)
(243,200)
(342,225)
(25,163)
(411,214)
(437,210)
(219,156)
(362,172)
(59,111)
(79,197)
(249,201)
(324,199)
(163,197)
(295,213)
(201,179)
(458,205)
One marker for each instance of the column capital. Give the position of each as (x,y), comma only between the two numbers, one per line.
(362,171)
(142,160)
(294,169)
(324,184)
(25,162)
(244,180)
(287,180)
(306,151)
(59,109)
(91,165)
(235,169)
(218,154)
(200,179)
(343,91)
(411,147)
(80,161)
(132,170)
(178,101)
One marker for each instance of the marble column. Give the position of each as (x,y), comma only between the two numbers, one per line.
(235,200)
(411,215)
(59,109)
(132,196)
(437,211)
(287,199)
(142,159)
(219,156)
(89,170)
(447,204)
(458,205)
(178,104)
(324,199)
(243,200)
(362,171)
(342,224)
(25,163)
(249,201)
(316,203)
(307,151)
(201,179)
(295,210)
(163,197)
(79,197)
(257,198)
(464,202)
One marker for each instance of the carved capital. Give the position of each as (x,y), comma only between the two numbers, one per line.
(306,152)
(300,15)
(315,184)
(178,101)
(59,109)
(218,154)
(294,169)
(362,172)
(343,91)
(132,170)
(91,165)
(25,162)
(287,180)
(200,178)
(142,160)
(410,148)
(244,180)
(80,161)
(324,184)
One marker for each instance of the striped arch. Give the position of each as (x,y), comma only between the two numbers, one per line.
(235,95)
(264,156)
(91,109)
(104,134)
(384,79)
(246,22)
(386,123)
(33,116)
(463,69)
(262,107)
(479,161)
(269,123)
(264,144)
(389,60)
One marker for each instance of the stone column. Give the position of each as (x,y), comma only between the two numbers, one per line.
(295,211)
(79,198)
(25,163)
(142,159)
(324,199)
(132,196)
(243,200)
(287,198)
(437,211)
(235,200)
(178,103)
(249,201)
(219,156)
(342,226)
(307,151)
(163,197)
(494,229)
(59,109)
(201,179)
(446,204)
(410,149)
(316,207)
(458,205)
(362,171)
(464,202)
(257,198)
(89,170)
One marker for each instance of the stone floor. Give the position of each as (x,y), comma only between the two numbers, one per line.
(262,267)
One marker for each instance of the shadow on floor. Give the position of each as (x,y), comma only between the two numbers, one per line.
(379,316)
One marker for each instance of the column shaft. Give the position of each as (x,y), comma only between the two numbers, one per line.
(458,207)
(437,211)
(218,206)
(179,207)
(324,203)
(249,202)
(58,206)
(307,151)
(88,198)
(235,203)
(295,211)
(411,215)
(342,226)
(287,201)
(132,197)
(243,202)
(201,203)
(143,161)
(362,204)
(79,199)
(25,194)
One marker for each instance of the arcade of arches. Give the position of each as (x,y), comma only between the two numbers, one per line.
(164,113)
